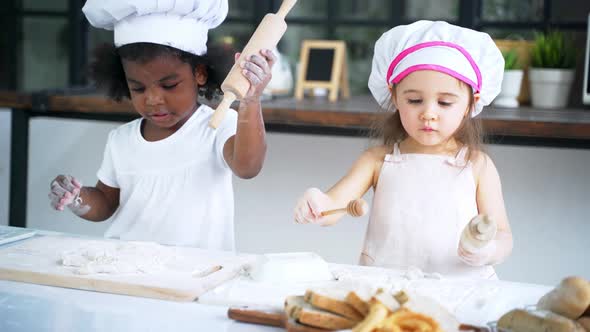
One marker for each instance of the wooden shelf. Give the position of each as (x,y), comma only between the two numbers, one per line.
(356,114)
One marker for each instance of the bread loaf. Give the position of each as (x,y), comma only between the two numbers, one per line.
(570,298)
(519,320)
(297,308)
(585,322)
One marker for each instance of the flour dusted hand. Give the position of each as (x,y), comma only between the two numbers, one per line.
(310,206)
(477,245)
(480,257)
(65,191)
(257,68)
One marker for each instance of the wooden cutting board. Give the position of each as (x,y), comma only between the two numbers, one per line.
(38,260)
(269,317)
(275,317)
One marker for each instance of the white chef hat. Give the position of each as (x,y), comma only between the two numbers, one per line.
(465,54)
(182,24)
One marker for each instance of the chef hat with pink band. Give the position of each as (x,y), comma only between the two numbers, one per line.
(468,55)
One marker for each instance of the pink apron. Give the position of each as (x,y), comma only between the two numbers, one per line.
(421,205)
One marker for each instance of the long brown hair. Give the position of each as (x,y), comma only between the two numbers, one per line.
(388,129)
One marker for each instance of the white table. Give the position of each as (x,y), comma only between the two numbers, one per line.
(30,307)
(472,301)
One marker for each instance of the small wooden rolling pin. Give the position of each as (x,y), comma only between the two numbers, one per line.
(479,232)
(355,208)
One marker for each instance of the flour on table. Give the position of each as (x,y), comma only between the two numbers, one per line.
(448,292)
(118,258)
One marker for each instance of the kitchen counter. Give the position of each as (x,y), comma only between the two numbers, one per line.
(565,128)
(31,307)
(345,117)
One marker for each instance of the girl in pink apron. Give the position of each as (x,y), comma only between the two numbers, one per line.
(429,177)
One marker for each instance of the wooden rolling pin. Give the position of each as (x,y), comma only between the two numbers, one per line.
(267,35)
(479,232)
(355,208)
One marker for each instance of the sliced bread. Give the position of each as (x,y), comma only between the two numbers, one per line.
(358,303)
(297,308)
(333,301)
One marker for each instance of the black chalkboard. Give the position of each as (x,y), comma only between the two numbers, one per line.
(323,65)
(319,64)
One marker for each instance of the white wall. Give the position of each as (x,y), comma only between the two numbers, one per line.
(5,119)
(546,191)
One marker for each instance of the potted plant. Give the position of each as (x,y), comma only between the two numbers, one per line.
(553,59)
(512,81)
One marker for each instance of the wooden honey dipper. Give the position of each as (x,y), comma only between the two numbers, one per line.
(355,208)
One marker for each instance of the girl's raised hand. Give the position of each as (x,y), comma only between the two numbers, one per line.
(310,206)
(257,68)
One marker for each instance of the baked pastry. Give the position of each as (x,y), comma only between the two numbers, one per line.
(585,322)
(570,298)
(519,320)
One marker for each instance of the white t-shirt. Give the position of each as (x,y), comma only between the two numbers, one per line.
(175,191)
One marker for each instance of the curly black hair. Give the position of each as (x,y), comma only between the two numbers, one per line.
(106,69)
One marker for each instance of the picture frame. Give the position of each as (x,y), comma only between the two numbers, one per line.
(323,65)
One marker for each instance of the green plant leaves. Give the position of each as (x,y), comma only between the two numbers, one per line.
(553,50)
(511,60)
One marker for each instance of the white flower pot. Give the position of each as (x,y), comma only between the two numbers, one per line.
(550,88)
(510,90)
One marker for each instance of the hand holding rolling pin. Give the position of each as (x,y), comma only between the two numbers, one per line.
(237,84)
(315,207)
(257,68)
(477,244)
